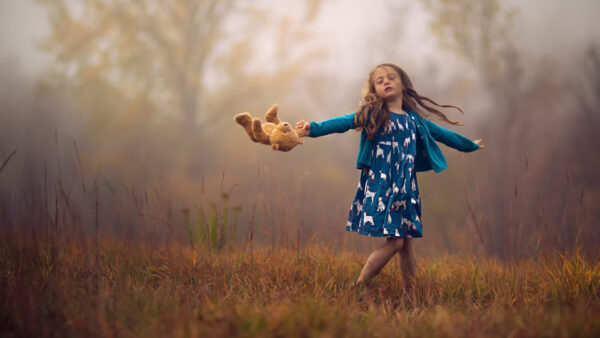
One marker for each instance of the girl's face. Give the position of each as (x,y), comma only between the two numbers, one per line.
(387,83)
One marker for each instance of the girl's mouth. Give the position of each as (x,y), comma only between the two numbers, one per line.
(387,89)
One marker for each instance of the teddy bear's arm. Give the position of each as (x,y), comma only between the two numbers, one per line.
(259,133)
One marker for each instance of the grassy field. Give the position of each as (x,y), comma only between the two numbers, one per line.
(67,288)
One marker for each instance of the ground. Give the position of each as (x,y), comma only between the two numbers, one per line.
(109,287)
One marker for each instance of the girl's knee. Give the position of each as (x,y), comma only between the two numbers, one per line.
(396,243)
(407,248)
(408,244)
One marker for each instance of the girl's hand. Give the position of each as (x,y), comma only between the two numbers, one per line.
(478,141)
(304,126)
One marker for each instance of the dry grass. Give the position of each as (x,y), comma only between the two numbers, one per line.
(73,288)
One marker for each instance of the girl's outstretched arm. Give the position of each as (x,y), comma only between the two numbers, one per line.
(339,124)
(451,138)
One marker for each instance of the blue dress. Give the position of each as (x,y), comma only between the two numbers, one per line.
(387,202)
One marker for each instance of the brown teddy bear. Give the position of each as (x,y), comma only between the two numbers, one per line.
(274,132)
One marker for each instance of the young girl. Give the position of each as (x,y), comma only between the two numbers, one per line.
(396,142)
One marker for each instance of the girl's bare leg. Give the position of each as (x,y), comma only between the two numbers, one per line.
(408,264)
(378,258)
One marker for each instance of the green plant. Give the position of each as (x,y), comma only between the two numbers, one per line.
(219,230)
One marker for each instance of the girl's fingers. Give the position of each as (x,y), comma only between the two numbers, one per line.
(478,142)
(302,125)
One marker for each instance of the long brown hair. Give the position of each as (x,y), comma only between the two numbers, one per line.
(373,112)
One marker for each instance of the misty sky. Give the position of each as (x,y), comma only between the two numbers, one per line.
(549,27)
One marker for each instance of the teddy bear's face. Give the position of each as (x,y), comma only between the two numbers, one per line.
(284,127)
(284,137)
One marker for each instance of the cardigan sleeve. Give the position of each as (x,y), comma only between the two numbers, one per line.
(450,138)
(339,124)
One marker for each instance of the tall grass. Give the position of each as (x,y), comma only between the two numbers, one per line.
(58,287)
(89,254)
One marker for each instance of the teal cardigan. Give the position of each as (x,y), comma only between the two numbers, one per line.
(429,155)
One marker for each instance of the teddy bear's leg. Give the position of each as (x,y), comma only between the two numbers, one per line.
(271,114)
(245,120)
(259,133)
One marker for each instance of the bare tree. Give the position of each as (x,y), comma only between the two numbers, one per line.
(158,48)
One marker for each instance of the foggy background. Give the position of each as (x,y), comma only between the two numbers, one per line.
(116,118)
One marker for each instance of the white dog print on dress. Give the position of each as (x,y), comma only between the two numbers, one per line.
(395,188)
(397,204)
(358,206)
(387,193)
(409,224)
(369,194)
(367,219)
(379,152)
(380,206)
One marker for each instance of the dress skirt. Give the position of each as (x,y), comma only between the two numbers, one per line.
(387,202)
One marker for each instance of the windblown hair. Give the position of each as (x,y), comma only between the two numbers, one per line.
(373,112)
